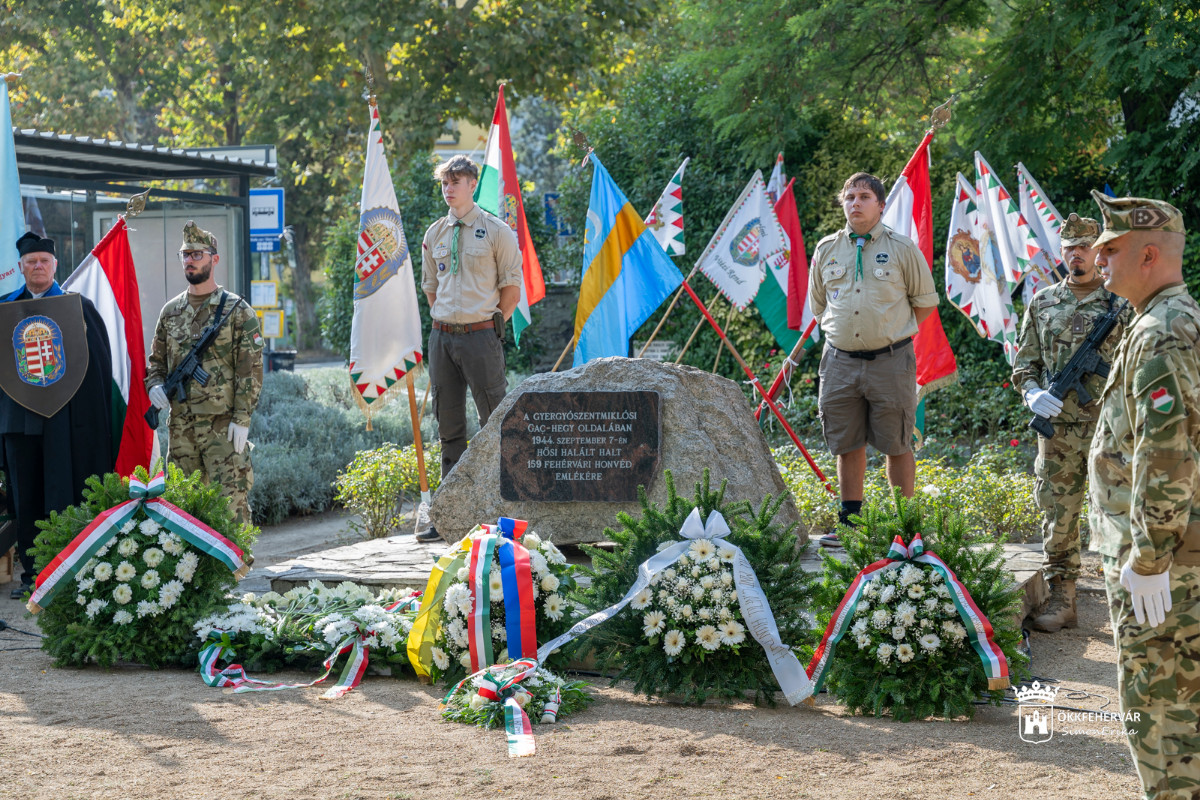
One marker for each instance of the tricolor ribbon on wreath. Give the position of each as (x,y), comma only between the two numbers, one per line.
(106,525)
(220,647)
(520,617)
(501,683)
(753,604)
(979,630)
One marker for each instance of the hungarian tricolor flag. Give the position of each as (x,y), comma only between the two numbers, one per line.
(499,193)
(784,292)
(108,279)
(909,211)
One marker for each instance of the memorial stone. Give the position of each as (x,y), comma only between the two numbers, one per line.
(703,421)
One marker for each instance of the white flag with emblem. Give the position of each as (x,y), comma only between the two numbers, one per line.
(749,240)
(385,335)
(666,218)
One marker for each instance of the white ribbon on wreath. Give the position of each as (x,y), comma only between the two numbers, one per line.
(792,678)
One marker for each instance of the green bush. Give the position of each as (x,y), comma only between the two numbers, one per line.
(306,429)
(993,493)
(376,481)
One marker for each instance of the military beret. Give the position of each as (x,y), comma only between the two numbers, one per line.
(32,243)
(196,239)
(1079,230)
(1124,214)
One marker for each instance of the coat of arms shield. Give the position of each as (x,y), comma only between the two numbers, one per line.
(49,355)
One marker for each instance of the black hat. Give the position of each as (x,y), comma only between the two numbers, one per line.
(32,243)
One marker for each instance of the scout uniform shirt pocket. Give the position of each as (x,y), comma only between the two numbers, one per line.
(837,280)
(477,250)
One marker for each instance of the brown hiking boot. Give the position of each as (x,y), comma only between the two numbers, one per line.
(1059,612)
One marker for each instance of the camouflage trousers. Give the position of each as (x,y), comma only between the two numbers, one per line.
(202,443)
(1061,469)
(1159,682)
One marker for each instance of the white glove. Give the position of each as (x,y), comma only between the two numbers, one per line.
(158,398)
(237,435)
(1151,595)
(1042,403)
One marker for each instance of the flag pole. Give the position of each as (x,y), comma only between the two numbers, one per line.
(757,385)
(563,354)
(667,313)
(695,330)
(422,521)
(787,367)
(721,345)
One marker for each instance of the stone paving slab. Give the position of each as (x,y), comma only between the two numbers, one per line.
(402,562)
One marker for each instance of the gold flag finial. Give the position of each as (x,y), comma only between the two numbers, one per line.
(581,141)
(941,115)
(136,205)
(11,78)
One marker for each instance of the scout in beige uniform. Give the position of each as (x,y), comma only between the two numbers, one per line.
(1144,478)
(209,430)
(1057,321)
(470,272)
(869,288)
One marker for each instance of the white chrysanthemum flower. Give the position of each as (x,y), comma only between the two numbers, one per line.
(909,575)
(943,591)
(95,607)
(705,613)
(871,590)
(461,638)
(673,642)
(727,579)
(906,613)
(935,576)
(663,594)
(887,593)
(930,641)
(495,586)
(683,586)
(702,549)
(85,570)
(881,618)
(103,571)
(122,617)
(708,637)
(462,573)
(732,632)
(440,659)
(185,570)
(905,652)
(863,641)
(128,527)
(925,623)
(930,604)
(884,653)
(949,610)
(685,611)
(717,595)
(724,614)
(653,623)
(549,583)
(707,582)
(145,608)
(931,490)
(149,579)
(149,527)
(125,572)
(103,551)
(128,546)
(531,541)
(697,592)
(153,556)
(538,561)
(81,600)
(553,554)
(641,599)
(862,609)
(169,593)
(859,627)
(464,658)
(554,607)
(499,633)
(726,553)
(122,594)
(916,591)
(899,632)
(172,544)
(86,584)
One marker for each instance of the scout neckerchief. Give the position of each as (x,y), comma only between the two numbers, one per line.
(862,238)
(458,223)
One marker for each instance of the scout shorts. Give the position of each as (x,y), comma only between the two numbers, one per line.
(871,402)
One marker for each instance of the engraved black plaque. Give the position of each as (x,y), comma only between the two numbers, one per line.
(579,446)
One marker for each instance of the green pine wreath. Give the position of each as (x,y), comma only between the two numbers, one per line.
(672,661)
(137,600)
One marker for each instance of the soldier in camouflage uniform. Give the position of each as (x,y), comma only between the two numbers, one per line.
(1057,321)
(208,431)
(1145,492)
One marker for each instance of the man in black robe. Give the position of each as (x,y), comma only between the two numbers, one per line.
(48,460)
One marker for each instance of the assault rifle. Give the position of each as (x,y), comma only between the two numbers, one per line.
(1086,361)
(175,385)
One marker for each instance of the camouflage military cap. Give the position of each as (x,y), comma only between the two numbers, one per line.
(1125,214)
(196,239)
(1079,230)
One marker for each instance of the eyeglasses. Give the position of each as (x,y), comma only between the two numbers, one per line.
(194,255)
